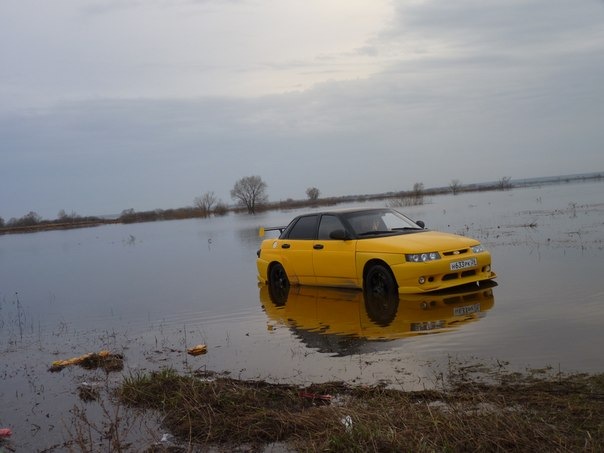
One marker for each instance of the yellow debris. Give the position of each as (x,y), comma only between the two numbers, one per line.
(80,359)
(198,350)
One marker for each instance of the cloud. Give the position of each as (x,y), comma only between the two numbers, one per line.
(466,90)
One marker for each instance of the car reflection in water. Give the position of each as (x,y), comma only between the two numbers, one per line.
(341,321)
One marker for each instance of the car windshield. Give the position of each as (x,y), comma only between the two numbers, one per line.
(379,222)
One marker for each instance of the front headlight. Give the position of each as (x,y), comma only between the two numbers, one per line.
(422,257)
(478,248)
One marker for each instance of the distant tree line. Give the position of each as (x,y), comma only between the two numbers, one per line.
(33,219)
(249,194)
(132,216)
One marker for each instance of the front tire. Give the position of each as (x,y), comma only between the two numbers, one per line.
(379,281)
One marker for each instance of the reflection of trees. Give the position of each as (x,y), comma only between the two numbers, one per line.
(455,186)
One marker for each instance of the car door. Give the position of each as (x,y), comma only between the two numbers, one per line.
(297,248)
(333,259)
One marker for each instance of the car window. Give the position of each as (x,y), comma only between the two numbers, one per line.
(305,228)
(328,224)
(368,221)
(379,221)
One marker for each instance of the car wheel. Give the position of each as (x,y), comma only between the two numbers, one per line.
(380,282)
(278,284)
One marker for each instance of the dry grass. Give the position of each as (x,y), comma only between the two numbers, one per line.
(520,414)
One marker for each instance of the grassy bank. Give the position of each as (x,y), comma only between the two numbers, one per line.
(517,413)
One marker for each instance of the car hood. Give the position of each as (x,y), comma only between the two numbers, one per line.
(424,241)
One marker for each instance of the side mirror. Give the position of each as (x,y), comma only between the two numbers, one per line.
(420,223)
(340,235)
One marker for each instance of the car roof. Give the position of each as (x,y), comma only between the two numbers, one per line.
(344,211)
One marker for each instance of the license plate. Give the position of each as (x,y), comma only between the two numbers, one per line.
(464,264)
(426,326)
(467,310)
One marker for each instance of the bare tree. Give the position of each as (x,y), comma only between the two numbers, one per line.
(221,208)
(455,186)
(128,216)
(505,183)
(411,198)
(64,217)
(29,219)
(250,192)
(205,203)
(418,193)
(313,193)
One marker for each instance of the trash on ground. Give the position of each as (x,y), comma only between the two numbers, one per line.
(198,350)
(347,422)
(5,432)
(166,437)
(315,396)
(89,391)
(92,360)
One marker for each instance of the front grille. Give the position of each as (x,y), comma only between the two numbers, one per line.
(456,252)
(456,275)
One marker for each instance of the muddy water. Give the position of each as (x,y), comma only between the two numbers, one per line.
(149,291)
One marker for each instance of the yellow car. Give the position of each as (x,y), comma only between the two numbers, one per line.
(378,250)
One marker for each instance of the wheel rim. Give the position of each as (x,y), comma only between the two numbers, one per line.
(278,285)
(378,283)
(279,279)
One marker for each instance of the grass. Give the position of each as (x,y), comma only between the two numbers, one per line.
(519,413)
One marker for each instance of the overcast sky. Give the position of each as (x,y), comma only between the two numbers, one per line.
(107,105)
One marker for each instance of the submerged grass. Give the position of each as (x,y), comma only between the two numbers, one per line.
(520,413)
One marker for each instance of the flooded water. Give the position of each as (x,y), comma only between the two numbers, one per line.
(149,291)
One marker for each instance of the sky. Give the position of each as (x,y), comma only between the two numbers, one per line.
(108,105)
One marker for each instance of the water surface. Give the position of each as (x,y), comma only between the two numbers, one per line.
(151,290)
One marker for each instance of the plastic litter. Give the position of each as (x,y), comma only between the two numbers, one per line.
(89,391)
(166,438)
(315,396)
(347,422)
(5,432)
(198,350)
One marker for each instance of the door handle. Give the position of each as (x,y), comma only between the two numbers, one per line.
(285,246)
(317,246)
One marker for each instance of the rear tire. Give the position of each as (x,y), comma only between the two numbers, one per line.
(278,284)
(278,277)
